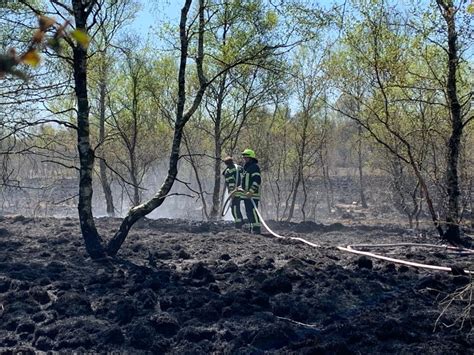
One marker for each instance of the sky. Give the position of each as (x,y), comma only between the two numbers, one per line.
(154,13)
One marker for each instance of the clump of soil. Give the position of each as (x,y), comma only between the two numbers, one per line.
(200,288)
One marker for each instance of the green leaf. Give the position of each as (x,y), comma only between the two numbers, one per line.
(81,37)
(470,8)
(271,19)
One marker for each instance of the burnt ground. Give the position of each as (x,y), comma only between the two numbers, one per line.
(183,287)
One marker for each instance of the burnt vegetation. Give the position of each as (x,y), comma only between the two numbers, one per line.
(111,188)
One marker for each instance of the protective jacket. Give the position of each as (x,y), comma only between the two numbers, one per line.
(233,177)
(251,179)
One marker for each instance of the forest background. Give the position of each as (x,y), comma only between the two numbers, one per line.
(365,103)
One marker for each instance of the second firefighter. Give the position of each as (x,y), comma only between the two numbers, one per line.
(251,181)
(233,179)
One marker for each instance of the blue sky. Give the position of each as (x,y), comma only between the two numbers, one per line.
(154,13)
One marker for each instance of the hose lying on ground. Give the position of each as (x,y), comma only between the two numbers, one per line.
(350,248)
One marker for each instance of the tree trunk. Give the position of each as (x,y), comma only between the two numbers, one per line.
(327,182)
(300,167)
(217,183)
(452,219)
(218,150)
(91,237)
(293,197)
(198,179)
(290,194)
(132,143)
(400,185)
(426,194)
(102,167)
(305,199)
(361,175)
(133,178)
(471,202)
(420,210)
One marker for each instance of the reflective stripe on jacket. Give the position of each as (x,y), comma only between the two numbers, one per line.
(233,177)
(251,179)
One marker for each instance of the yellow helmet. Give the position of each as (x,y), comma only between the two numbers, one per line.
(249,153)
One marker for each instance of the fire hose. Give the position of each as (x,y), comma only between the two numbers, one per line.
(225,208)
(352,248)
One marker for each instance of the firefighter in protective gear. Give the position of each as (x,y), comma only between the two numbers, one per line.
(251,181)
(233,179)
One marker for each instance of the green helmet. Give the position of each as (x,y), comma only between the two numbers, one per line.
(249,153)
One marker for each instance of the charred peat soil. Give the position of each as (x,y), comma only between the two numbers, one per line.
(182,287)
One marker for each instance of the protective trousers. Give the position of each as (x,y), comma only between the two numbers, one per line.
(236,213)
(252,215)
